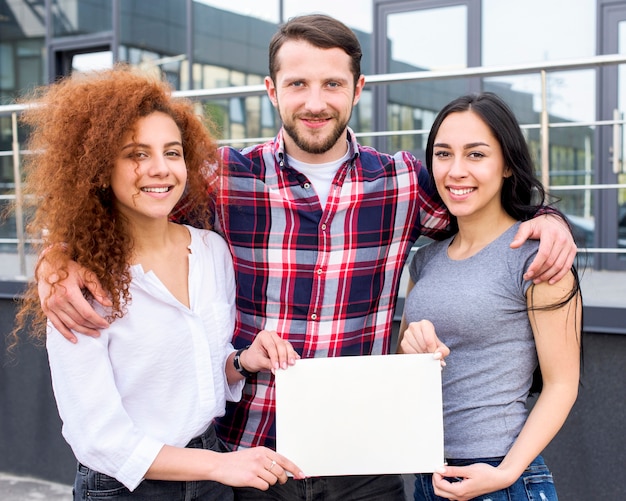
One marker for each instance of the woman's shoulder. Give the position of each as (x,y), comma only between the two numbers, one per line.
(425,254)
(432,248)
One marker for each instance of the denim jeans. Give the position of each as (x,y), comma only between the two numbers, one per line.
(94,486)
(346,488)
(535,484)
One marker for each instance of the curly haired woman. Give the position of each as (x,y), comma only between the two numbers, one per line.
(113,152)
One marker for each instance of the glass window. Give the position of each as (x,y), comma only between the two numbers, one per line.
(506,40)
(92,61)
(267,10)
(215,77)
(74,17)
(7,70)
(267,116)
(432,49)
(270,10)
(237,78)
(236,110)
(29,48)
(357,18)
(161,28)
(29,64)
(537,30)
(252,122)
(21,20)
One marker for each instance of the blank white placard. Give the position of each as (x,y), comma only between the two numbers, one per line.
(365,415)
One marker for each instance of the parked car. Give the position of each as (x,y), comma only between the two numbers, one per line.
(583,230)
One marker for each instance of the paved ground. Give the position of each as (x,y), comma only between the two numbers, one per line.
(604,288)
(14,488)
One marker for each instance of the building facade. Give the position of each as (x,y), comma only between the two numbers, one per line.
(560,64)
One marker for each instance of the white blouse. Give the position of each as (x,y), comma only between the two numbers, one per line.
(156,376)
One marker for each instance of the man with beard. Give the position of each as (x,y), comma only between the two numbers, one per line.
(319,228)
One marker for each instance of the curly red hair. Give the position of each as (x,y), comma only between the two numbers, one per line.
(77,125)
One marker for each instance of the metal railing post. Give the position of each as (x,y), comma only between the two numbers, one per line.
(545,133)
(19,198)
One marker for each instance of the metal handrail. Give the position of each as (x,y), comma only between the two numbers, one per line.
(389,78)
(414,76)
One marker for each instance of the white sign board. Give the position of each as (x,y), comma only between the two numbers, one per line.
(364,415)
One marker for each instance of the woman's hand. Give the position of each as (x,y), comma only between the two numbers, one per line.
(463,483)
(420,337)
(268,352)
(257,467)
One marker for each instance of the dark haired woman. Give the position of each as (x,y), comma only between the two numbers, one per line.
(468,302)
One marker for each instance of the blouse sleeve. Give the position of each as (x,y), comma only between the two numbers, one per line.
(95,423)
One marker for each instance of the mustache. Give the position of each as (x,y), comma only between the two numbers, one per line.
(316,116)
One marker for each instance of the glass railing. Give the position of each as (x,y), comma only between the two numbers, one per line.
(576,188)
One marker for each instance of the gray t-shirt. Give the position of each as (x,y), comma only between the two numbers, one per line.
(478,308)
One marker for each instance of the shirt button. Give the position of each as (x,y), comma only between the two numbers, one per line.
(306,186)
(320,271)
(314,316)
(324,226)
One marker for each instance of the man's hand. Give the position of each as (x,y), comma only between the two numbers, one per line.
(65,305)
(557,248)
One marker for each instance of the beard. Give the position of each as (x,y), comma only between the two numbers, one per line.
(314,143)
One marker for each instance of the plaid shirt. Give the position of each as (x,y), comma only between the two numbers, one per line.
(325,279)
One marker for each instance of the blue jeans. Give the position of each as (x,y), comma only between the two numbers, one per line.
(346,488)
(94,486)
(535,484)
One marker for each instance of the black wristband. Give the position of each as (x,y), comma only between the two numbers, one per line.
(238,367)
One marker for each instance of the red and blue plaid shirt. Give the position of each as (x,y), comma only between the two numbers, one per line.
(327,278)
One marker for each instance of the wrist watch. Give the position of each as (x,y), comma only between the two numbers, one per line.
(237,363)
